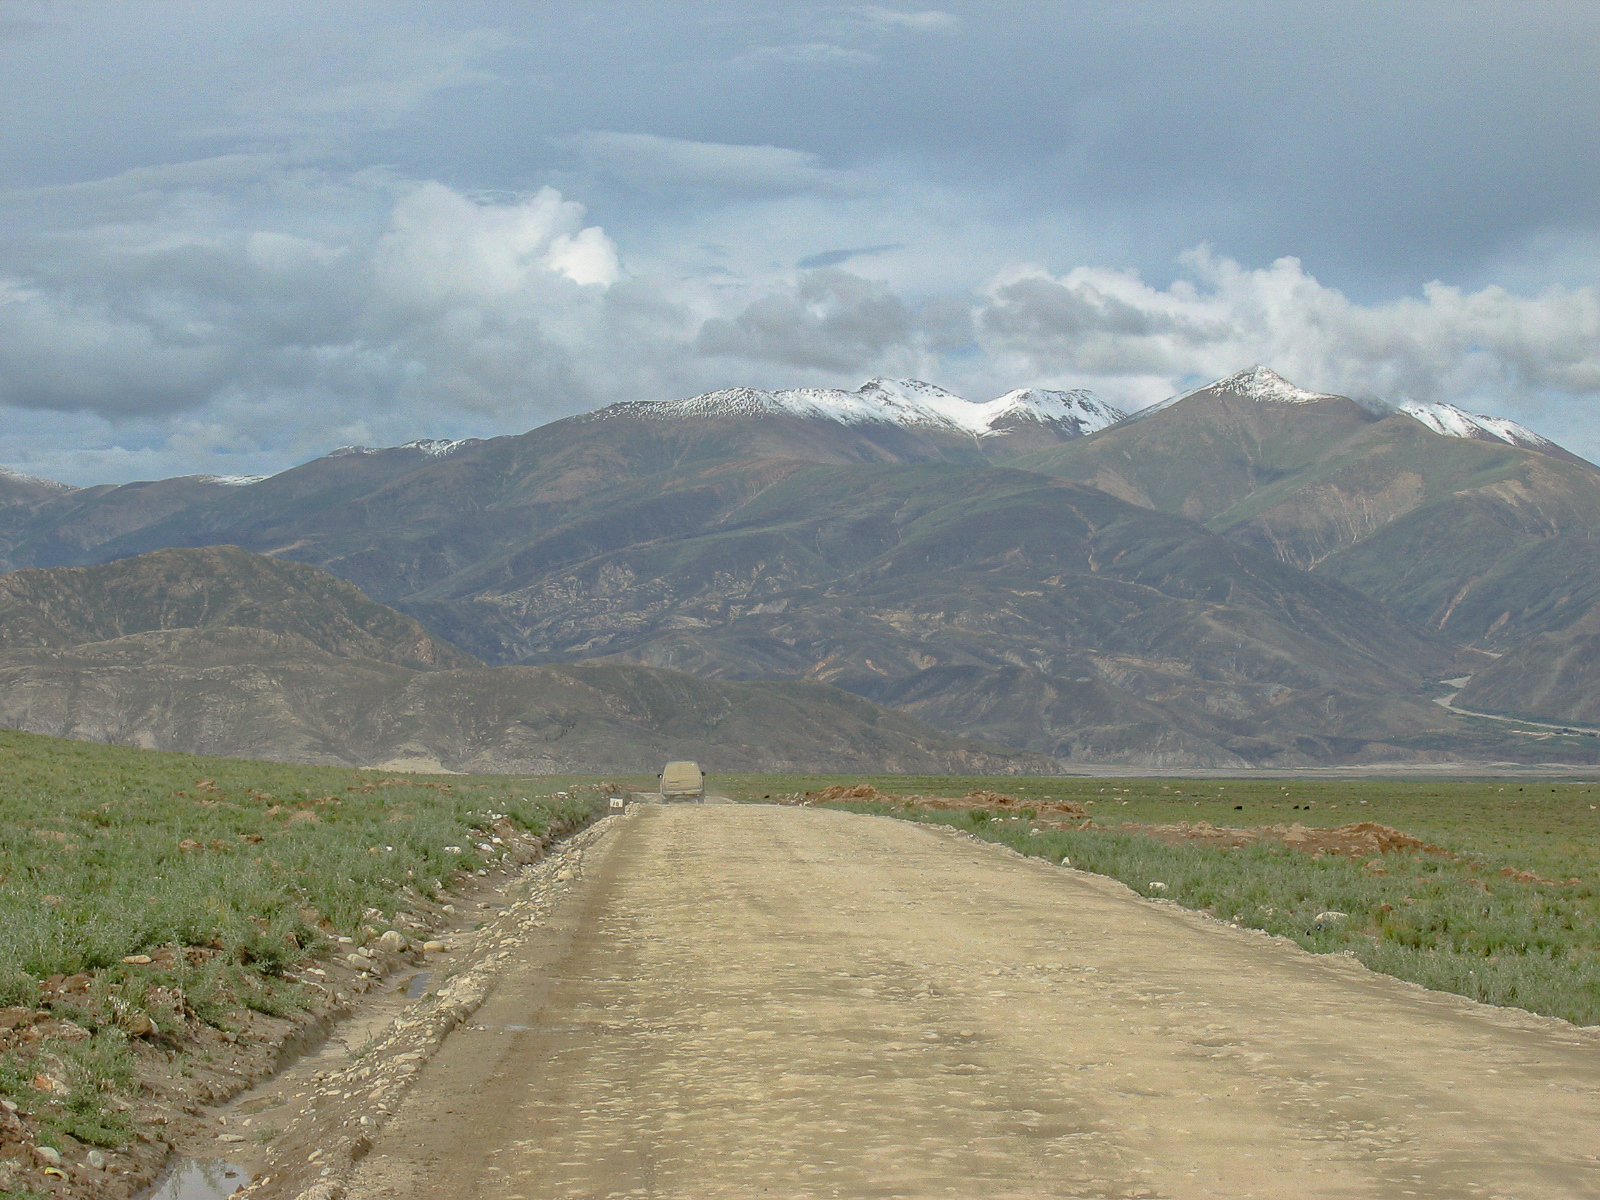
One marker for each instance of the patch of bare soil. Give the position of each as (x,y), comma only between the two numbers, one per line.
(981,798)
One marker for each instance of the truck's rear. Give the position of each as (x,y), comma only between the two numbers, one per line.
(683,781)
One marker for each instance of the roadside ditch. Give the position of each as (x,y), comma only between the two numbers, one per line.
(214,1105)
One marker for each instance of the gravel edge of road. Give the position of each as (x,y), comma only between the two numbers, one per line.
(315,1154)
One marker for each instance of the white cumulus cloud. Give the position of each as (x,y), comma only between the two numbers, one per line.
(1447,343)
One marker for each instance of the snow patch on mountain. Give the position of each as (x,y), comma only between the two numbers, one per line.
(908,403)
(1076,407)
(38,481)
(1457,422)
(437,447)
(432,447)
(233,480)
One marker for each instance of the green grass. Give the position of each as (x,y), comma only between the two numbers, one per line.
(107,852)
(1456,925)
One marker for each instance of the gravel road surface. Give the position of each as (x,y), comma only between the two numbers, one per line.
(739,1001)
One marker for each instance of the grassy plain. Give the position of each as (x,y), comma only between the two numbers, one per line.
(239,869)
(1456,922)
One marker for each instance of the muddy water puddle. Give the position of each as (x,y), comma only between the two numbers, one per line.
(239,1138)
(197,1179)
(247,1126)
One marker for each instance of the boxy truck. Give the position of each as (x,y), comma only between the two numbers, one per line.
(683,781)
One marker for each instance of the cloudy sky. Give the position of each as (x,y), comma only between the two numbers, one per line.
(235,236)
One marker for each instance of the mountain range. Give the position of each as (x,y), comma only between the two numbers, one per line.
(1248,574)
(220,651)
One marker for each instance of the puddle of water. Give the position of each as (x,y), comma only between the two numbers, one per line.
(262,1104)
(418,984)
(197,1179)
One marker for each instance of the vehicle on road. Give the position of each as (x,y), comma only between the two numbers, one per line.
(683,781)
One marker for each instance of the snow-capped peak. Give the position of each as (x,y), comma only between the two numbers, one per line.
(1457,422)
(909,403)
(1078,407)
(1263,384)
(1258,383)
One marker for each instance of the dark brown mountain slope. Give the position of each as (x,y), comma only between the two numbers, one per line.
(213,588)
(1488,542)
(219,651)
(1043,613)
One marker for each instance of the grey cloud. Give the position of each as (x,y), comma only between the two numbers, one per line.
(313,83)
(833,258)
(76,358)
(1045,311)
(947,324)
(830,320)
(924,21)
(647,161)
(1076,324)
(804,54)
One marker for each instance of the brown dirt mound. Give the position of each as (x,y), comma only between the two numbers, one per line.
(981,798)
(1359,840)
(859,791)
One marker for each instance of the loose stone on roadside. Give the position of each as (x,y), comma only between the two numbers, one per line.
(332,1127)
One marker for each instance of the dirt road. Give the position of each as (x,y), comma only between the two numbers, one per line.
(752,1001)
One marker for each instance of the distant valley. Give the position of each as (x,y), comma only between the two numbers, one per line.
(1247,575)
